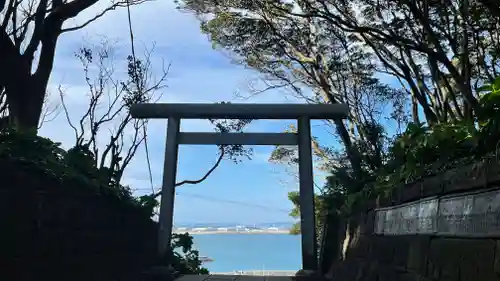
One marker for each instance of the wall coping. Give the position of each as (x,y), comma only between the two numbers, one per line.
(467,178)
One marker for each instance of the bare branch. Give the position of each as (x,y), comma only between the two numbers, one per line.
(89,21)
(108,105)
(29,33)
(203,178)
(66,113)
(50,112)
(217,163)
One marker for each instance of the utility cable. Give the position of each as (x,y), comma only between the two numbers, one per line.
(219,200)
(134,60)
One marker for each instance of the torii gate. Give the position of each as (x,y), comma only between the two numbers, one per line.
(303,113)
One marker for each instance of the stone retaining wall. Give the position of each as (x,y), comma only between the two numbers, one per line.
(54,231)
(445,227)
(474,214)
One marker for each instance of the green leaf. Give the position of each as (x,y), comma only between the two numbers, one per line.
(484,88)
(496,82)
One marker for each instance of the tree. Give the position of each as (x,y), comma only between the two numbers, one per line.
(294,47)
(28,39)
(106,131)
(304,55)
(441,52)
(106,136)
(294,197)
(330,201)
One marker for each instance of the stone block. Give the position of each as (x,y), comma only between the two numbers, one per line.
(387,274)
(432,186)
(396,196)
(452,259)
(418,254)
(412,192)
(496,264)
(477,258)
(433,267)
(363,247)
(465,178)
(383,250)
(492,171)
(369,225)
(375,247)
(383,201)
(401,249)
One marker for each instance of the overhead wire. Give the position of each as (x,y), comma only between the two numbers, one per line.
(134,60)
(219,200)
(227,201)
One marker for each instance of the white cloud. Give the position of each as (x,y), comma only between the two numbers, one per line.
(150,20)
(197,74)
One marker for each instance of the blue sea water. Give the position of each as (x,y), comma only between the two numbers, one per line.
(249,251)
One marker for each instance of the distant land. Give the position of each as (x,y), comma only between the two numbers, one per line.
(233,228)
(222,232)
(286,225)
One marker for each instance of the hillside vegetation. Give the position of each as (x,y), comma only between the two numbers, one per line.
(61,221)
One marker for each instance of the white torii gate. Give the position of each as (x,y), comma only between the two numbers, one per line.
(303,113)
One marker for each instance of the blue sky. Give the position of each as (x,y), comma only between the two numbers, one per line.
(197,74)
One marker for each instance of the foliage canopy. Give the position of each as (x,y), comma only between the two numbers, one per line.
(420,78)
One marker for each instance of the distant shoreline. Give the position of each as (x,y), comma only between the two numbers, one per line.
(204,232)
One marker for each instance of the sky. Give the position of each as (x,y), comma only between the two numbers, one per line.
(253,191)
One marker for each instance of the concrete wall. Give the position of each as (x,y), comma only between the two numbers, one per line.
(460,240)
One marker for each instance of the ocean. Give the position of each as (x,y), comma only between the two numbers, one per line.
(232,252)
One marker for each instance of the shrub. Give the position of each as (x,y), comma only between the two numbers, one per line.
(62,220)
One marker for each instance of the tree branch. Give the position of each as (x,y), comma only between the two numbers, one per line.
(66,112)
(207,174)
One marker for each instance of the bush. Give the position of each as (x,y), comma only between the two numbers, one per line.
(61,220)
(423,150)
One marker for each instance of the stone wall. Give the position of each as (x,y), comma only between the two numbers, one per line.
(54,230)
(445,227)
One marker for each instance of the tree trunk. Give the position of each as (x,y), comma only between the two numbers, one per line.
(352,152)
(414,110)
(25,92)
(25,98)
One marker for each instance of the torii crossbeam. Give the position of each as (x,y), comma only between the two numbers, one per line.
(303,113)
